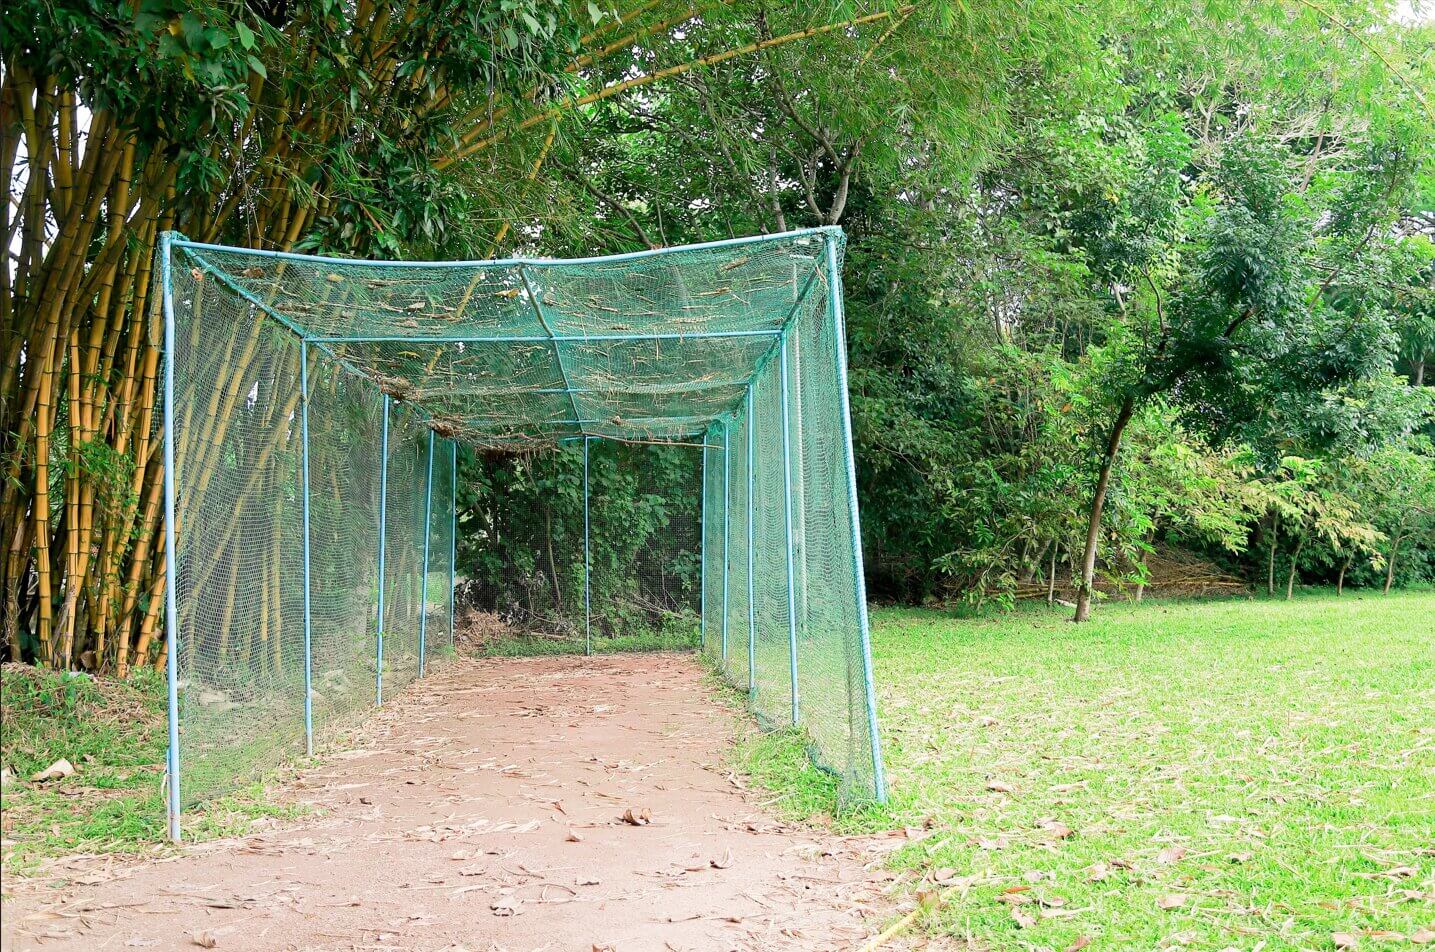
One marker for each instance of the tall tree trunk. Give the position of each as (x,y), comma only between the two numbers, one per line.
(1340,579)
(1098,500)
(1295,567)
(1271,554)
(1390,564)
(1145,572)
(1051,575)
(552,562)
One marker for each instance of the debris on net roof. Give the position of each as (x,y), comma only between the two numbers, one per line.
(509,354)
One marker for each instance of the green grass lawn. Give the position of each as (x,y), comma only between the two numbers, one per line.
(113,732)
(1217,775)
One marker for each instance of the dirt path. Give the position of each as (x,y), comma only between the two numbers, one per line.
(485,812)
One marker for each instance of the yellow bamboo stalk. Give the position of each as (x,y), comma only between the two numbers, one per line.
(503,229)
(156,599)
(138,562)
(41,513)
(276,601)
(72,505)
(647,79)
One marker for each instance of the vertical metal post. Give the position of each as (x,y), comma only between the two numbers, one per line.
(587,560)
(308,571)
(751,605)
(383,521)
(703,549)
(452,534)
(834,299)
(171,554)
(787,520)
(726,519)
(424,589)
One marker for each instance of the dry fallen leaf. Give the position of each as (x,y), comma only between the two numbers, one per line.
(639,817)
(1345,940)
(1423,936)
(1079,943)
(929,899)
(1022,919)
(1056,830)
(1015,895)
(204,939)
(574,836)
(997,786)
(507,906)
(57,771)
(723,863)
(1098,871)
(1170,854)
(1171,901)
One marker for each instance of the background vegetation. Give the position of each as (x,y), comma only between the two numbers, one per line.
(1123,280)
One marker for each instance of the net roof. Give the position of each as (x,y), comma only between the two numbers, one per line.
(650,346)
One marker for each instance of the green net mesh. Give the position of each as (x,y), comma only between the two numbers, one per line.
(652,443)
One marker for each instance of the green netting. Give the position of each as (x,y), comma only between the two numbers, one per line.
(658,445)
(438,587)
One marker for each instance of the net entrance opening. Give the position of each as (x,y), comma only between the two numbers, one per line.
(649,448)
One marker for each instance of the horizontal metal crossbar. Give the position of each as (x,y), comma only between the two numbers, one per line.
(545,339)
(818,233)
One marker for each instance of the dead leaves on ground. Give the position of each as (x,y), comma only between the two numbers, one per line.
(59,770)
(641,816)
(508,905)
(1351,940)
(1171,854)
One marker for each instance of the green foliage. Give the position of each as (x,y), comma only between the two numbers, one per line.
(520,545)
(1220,214)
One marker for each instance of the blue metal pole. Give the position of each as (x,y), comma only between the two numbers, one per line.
(787,520)
(751,605)
(834,274)
(171,555)
(308,571)
(726,520)
(428,525)
(703,550)
(453,534)
(587,560)
(383,520)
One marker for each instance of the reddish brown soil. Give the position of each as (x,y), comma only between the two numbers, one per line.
(484,810)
